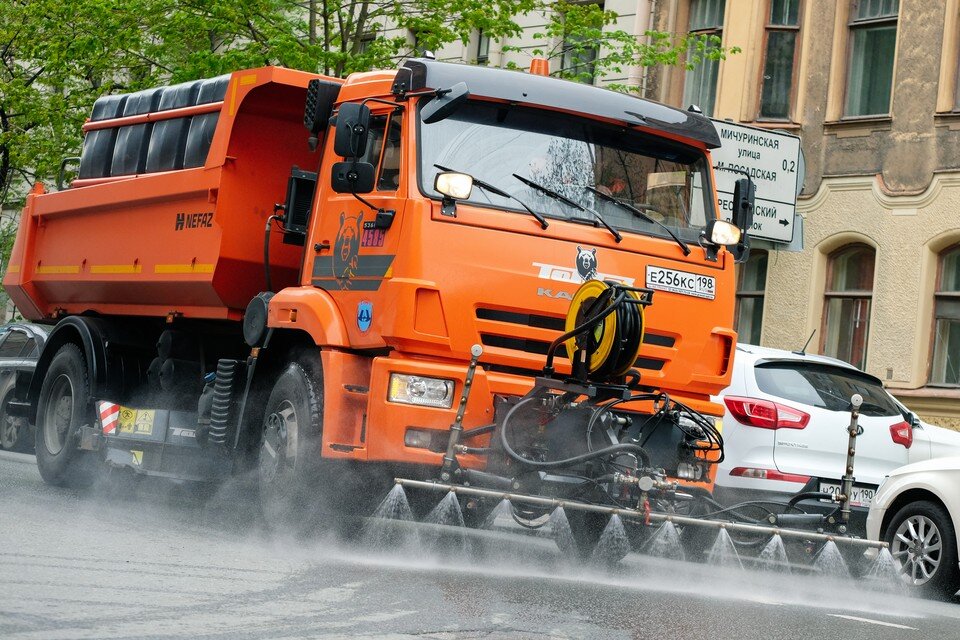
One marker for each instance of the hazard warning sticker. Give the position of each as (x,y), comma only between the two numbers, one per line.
(136,421)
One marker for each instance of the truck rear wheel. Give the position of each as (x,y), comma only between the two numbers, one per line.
(289,466)
(63,407)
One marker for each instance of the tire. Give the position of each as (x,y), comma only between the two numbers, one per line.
(923,542)
(289,467)
(15,434)
(64,406)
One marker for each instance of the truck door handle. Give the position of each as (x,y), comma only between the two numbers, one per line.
(321,246)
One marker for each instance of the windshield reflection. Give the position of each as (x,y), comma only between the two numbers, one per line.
(567,155)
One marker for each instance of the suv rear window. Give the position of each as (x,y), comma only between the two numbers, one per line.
(824,386)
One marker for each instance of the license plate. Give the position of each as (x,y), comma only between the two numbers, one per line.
(682,282)
(862,496)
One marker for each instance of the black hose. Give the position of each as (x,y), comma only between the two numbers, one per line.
(477,431)
(567,462)
(266,251)
(809,495)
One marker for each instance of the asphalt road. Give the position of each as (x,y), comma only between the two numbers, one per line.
(163,564)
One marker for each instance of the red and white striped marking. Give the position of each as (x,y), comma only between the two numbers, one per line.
(109,414)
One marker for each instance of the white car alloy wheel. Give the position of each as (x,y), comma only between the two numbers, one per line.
(917,547)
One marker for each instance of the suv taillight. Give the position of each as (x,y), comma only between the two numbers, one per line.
(765,414)
(902,433)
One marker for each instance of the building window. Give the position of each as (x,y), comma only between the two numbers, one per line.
(700,84)
(946,341)
(483,47)
(873,40)
(751,282)
(780,51)
(846,320)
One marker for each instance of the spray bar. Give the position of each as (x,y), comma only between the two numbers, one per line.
(639,515)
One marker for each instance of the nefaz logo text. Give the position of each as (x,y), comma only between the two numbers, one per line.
(193,221)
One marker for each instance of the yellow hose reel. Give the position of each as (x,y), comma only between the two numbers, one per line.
(611,343)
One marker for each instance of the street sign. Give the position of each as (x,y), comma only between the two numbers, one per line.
(773,161)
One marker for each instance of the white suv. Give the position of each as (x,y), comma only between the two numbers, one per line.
(785,428)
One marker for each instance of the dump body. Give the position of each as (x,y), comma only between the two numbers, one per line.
(167,216)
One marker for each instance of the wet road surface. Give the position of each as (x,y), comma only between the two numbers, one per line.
(168,565)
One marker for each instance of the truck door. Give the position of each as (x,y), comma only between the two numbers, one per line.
(359,242)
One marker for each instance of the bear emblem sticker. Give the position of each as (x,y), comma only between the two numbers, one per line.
(364,315)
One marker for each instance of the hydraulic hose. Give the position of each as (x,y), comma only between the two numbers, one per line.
(809,495)
(266,251)
(566,462)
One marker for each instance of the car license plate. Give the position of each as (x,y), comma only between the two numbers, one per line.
(862,496)
(682,282)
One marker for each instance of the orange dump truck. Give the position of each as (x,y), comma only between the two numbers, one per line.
(468,275)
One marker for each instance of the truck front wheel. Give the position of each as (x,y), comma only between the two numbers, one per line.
(63,407)
(289,458)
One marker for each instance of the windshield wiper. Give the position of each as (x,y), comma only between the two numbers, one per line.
(640,214)
(486,186)
(567,201)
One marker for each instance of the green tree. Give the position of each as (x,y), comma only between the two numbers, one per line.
(57,57)
(580,36)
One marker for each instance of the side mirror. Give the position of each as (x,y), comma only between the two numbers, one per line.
(353,126)
(353,177)
(744,194)
(446,102)
(316,111)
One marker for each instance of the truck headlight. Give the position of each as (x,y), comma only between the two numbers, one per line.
(421,391)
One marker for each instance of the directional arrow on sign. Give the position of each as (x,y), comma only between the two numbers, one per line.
(784,221)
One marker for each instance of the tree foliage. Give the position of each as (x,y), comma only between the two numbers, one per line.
(57,57)
(584,40)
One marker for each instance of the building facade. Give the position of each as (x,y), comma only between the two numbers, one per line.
(871,88)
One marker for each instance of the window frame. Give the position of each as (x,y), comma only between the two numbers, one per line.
(855,294)
(939,294)
(482,58)
(854,24)
(717,30)
(795,66)
(751,294)
(6,338)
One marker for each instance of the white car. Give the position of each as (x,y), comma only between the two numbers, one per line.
(785,429)
(917,510)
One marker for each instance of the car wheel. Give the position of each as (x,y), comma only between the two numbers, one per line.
(63,407)
(923,543)
(8,424)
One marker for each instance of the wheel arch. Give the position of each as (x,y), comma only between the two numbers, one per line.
(107,371)
(311,311)
(915,494)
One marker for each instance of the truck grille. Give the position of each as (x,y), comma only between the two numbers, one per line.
(511,331)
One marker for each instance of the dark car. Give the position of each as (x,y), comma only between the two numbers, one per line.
(20,346)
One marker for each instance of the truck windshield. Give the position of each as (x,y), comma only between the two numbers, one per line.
(492,142)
